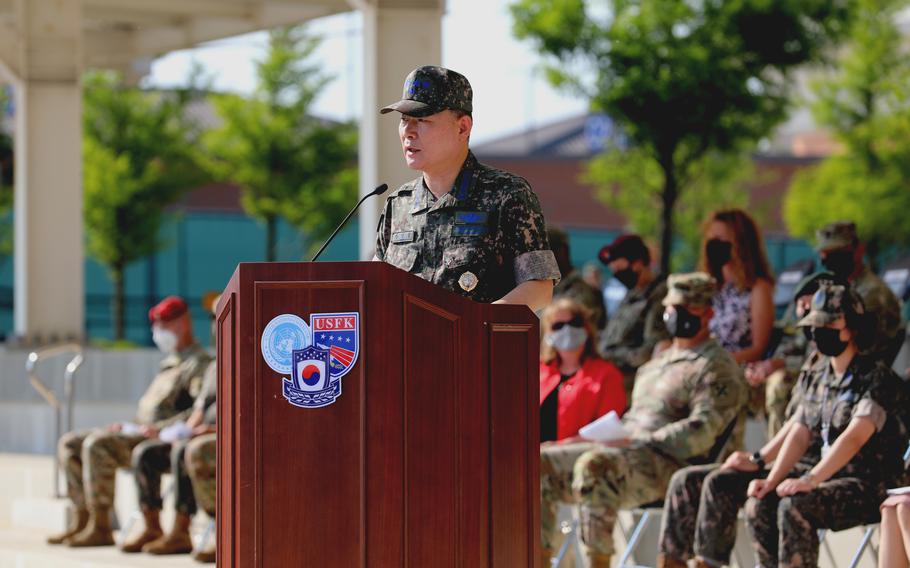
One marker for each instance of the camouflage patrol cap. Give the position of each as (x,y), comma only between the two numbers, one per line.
(830,303)
(430,89)
(693,289)
(840,234)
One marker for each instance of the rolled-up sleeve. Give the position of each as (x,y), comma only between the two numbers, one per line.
(525,232)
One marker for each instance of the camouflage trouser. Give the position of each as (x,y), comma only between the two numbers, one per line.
(700,512)
(777,394)
(599,480)
(784,529)
(90,459)
(200,463)
(151,459)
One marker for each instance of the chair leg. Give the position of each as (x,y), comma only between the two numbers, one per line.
(636,535)
(572,534)
(867,536)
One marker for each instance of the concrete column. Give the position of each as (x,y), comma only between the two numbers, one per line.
(395,41)
(49,280)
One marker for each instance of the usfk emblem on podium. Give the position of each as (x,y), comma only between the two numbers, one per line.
(316,368)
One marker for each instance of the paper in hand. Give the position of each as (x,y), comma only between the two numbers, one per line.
(607,427)
(899,490)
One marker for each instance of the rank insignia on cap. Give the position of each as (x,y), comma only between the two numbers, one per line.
(468,281)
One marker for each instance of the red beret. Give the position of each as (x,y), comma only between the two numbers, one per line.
(168,309)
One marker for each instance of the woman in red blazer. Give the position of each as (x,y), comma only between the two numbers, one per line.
(576,385)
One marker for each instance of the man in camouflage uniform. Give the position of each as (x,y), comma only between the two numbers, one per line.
(703,501)
(201,463)
(683,407)
(152,458)
(90,458)
(637,326)
(841,251)
(844,445)
(572,284)
(467,227)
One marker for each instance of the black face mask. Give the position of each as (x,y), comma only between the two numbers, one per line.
(719,253)
(828,341)
(682,323)
(627,277)
(840,262)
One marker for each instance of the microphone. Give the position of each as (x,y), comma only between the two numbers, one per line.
(378,191)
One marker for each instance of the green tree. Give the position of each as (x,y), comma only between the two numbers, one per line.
(138,159)
(865,102)
(682,79)
(290,165)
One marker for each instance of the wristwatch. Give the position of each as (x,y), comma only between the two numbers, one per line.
(809,478)
(757,460)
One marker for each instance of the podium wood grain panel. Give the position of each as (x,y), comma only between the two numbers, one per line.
(424,460)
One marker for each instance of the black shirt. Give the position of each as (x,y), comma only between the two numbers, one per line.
(549,412)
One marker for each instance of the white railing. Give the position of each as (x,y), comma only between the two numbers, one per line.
(61,409)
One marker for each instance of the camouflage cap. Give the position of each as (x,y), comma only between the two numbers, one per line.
(808,285)
(430,89)
(840,234)
(830,303)
(693,289)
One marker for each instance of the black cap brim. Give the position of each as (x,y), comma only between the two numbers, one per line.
(410,108)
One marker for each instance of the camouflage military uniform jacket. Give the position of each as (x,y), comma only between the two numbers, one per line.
(206,399)
(636,327)
(480,240)
(867,389)
(684,399)
(878,299)
(170,396)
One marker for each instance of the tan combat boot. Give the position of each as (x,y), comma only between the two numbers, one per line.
(207,554)
(151,532)
(77,523)
(175,542)
(665,561)
(97,532)
(700,563)
(599,561)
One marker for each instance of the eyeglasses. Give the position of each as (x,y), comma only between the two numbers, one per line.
(577,321)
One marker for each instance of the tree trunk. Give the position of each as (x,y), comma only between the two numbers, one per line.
(669,195)
(118,302)
(271,239)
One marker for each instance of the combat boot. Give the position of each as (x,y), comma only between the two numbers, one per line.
(599,561)
(700,563)
(77,523)
(175,542)
(665,561)
(207,554)
(97,532)
(151,532)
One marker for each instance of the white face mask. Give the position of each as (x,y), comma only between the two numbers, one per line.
(568,338)
(165,339)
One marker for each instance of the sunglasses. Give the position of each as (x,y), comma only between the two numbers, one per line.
(577,321)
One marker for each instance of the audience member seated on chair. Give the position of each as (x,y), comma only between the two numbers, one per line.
(684,401)
(576,385)
(201,463)
(843,448)
(703,501)
(894,546)
(90,458)
(152,458)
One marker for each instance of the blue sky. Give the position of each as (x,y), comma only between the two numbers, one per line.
(510,94)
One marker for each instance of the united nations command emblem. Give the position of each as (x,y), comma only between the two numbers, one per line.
(468,281)
(315,356)
(280,338)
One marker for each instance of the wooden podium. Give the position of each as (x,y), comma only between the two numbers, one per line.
(428,458)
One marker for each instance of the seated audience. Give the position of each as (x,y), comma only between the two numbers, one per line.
(843,447)
(576,385)
(684,403)
(894,546)
(571,284)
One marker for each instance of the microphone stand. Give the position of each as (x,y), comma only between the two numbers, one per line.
(378,191)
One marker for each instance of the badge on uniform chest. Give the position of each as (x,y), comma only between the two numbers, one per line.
(403,237)
(471,224)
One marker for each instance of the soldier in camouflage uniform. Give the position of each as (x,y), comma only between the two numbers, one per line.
(637,326)
(841,251)
(152,458)
(201,463)
(572,284)
(843,447)
(467,227)
(90,458)
(683,407)
(703,501)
